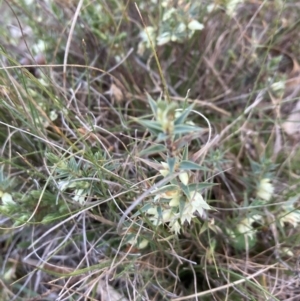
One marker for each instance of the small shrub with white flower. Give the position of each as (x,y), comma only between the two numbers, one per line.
(6,187)
(179,199)
(177,24)
(243,235)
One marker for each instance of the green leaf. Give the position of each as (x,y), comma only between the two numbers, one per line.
(151,125)
(185,129)
(52,158)
(240,244)
(49,218)
(200,186)
(152,104)
(189,165)
(170,109)
(171,162)
(165,188)
(161,137)
(185,190)
(256,167)
(160,213)
(6,183)
(145,208)
(185,153)
(182,202)
(181,119)
(153,149)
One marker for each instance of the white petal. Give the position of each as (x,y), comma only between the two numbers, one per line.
(7,199)
(174,202)
(181,28)
(198,201)
(143,244)
(184,178)
(195,25)
(176,227)
(152,211)
(265,190)
(79,196)
(163,39)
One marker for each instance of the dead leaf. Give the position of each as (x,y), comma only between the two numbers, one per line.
(116,93)
(108,293)
(88,135)
(292,125)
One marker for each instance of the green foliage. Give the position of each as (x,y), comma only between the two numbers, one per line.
(183,201)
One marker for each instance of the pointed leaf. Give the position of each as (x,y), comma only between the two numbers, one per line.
(145,208)
(171,163)
(181,119)
(199,186)
(150,125)
(153,149)
(161,137)
(182,202)
(189,165)
(185,128)
(166,188)
(170,109)
(152,104)
(185,153)
(185,189)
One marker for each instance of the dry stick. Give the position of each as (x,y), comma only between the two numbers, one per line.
(153,73)
(226,285)
(166,92)
(215,72)
(69,40)
(250,23)
(204,103)
(69,65)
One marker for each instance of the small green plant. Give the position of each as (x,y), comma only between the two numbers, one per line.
(177,24)
(178,198)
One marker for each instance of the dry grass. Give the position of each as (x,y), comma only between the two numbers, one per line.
(68,116)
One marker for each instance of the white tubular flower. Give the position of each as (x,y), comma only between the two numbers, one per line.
(175,227)
(166,216)
(231,6)
(143,244)
(164,38)
(188,213)
(175,200)
(287,252)
(6,198)
(168,14)
(173,195)
(64,184)
(195,25)
(196,203)
(265,189)
(138,244)
(292,218)
(79,196)
(145,42)
(181,28)
(245,226)
(144,35)
(165,170)
(290,215)
(40,46)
